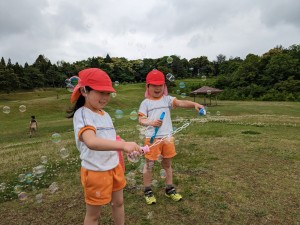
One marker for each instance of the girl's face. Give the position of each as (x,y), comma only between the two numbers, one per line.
(156,91)
(96,100)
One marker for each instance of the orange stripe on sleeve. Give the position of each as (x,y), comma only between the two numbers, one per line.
(174,103)
(84,129)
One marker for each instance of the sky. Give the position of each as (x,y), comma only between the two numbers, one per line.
(74,30)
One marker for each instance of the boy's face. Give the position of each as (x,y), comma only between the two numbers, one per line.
(156,91)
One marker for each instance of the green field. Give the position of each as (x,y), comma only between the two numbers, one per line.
(238,165)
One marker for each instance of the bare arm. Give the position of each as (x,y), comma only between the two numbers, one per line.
(101,144)
(188,104)
(145,122)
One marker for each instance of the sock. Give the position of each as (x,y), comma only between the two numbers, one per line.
(169,186)
(147,188)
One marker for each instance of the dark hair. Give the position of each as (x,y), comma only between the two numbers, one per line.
(79,103)
(32,117)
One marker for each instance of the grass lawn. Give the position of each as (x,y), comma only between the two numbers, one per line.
(238,165)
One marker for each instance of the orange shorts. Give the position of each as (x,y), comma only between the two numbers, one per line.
(99,185)
(166,148)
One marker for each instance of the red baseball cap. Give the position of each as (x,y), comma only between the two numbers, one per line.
(155,77)
(95,78)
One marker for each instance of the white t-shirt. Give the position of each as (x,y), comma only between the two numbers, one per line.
(152,109)
(94,160)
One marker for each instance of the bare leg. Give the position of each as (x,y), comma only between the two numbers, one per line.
(92,214)
(166,164)
(117,205)
(147,172)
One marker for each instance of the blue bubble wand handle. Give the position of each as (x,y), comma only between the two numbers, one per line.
(156,128)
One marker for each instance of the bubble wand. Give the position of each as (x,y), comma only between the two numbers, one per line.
(146,148)
(156,128)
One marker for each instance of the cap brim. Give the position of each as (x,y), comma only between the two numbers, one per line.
(75,95)
(76,92)
(157,82)
(103,88)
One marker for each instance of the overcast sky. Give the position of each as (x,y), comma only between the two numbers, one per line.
(73,30)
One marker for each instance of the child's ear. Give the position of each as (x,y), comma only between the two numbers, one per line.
(83,91)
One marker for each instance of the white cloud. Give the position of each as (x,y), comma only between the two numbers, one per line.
(76,30)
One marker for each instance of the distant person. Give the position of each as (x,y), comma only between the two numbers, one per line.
(32,126)
(157,102)
(102,176)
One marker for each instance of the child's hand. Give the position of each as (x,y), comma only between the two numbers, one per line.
(132,147)
(156,123)
(198,106)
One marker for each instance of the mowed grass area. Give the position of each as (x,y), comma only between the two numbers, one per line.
(238,165)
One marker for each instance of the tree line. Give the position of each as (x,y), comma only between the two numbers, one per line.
(274,75)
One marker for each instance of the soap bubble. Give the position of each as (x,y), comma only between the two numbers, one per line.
(18,189)
(178,92)
(74,80)
(134,115)
(183,95)
(22,108)
(154,183)
(53,188)
(208,92)
(169,60)
(117,83)
(119,113)
(113,94)
(64,153)
(141,63)
(162,174)
(218,113)
(28,178)
(21,178)
(6,109)
(170,77)
(22,196)
(44,159)
(39,198)
(150,215)
(56,137)
(182,85)
(203,78)
(39,171)
(70,87)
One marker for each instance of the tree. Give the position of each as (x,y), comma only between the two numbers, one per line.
(2,62)
(8,80)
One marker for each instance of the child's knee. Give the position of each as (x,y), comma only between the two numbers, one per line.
(117,203)
(166,163)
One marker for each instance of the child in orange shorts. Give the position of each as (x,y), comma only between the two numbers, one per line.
(102,176)
(151,109)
